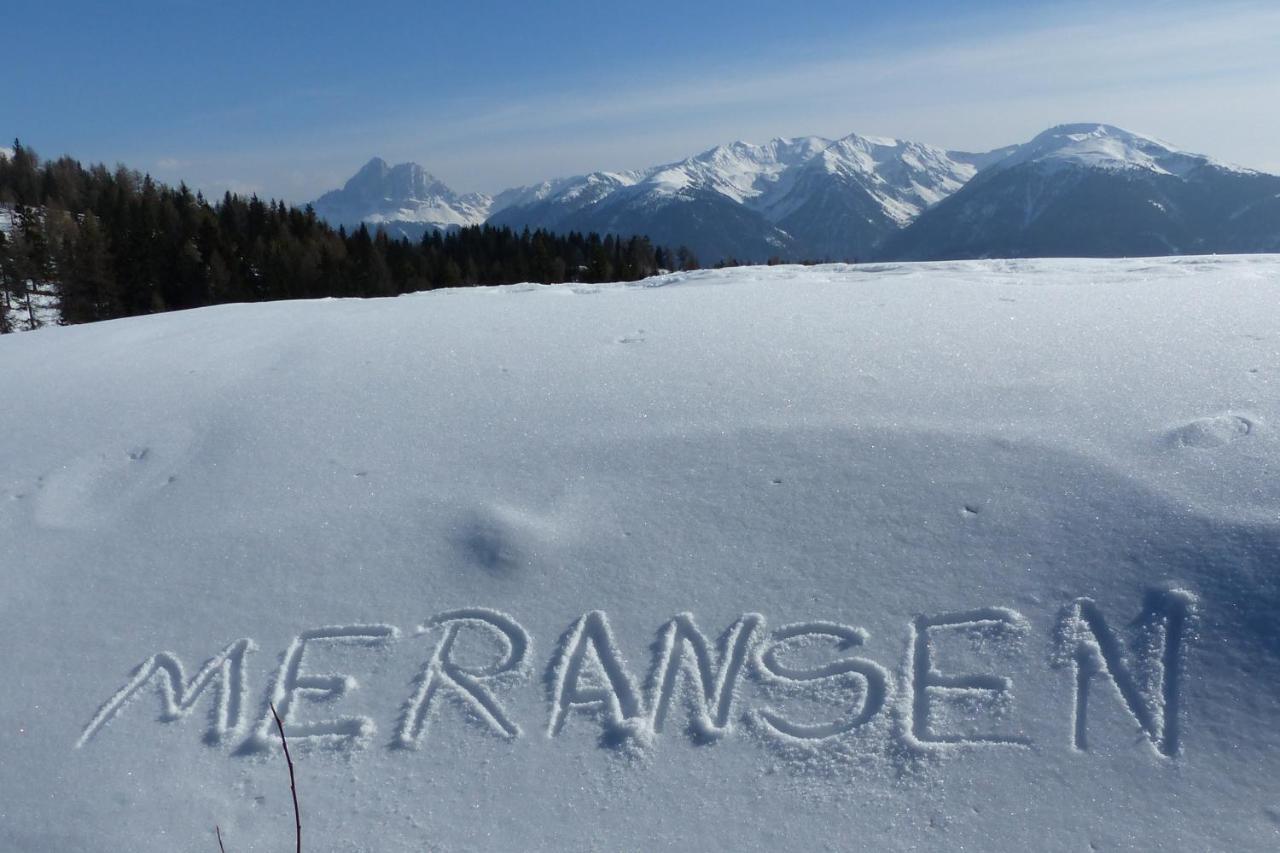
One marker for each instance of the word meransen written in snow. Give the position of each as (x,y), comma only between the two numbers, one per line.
(588,675)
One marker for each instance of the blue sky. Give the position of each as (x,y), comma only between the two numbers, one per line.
(288,99)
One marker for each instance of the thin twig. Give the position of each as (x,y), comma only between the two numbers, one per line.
(218,831)
(297,818)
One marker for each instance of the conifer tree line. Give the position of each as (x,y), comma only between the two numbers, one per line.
(115,243)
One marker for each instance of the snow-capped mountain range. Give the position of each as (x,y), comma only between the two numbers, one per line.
(861,196)
(1096,190)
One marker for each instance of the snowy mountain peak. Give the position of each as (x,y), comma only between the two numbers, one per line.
(403,182)
(740,171)
(375,167)
(1104,146)
(405,198)
(903,177)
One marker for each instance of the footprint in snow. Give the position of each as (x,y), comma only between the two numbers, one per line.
(1212,432)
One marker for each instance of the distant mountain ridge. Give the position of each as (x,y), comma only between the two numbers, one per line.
(1091,188)
(807,197)
(1100,191)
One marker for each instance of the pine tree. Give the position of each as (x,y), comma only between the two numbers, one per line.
(113,242)
(6,303)
(88,290)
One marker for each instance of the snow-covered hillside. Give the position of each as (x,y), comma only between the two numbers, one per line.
(990,550)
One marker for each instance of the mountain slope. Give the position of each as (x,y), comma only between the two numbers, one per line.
(859,190)
(1097,190)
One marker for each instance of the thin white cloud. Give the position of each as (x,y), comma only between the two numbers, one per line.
(1202,76)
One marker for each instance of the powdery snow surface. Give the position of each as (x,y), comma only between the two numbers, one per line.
(984,555)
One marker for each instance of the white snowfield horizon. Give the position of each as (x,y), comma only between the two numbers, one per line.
(961,555)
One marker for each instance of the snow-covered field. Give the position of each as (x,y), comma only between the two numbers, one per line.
(986,555)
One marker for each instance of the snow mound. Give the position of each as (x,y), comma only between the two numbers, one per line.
(972,555)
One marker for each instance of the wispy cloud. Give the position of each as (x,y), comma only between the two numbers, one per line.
(1203,77)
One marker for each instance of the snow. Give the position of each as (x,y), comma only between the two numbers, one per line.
(405,193)
(903,177)
(740,171)
(775,178)
(1101,146)
(763,558)
(576,192)
(43,312)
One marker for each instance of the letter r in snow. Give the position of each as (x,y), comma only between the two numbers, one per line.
(465,684)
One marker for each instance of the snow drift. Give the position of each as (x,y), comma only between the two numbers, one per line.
(965,555)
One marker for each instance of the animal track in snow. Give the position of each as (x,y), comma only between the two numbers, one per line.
(94,489)
(1212,432)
